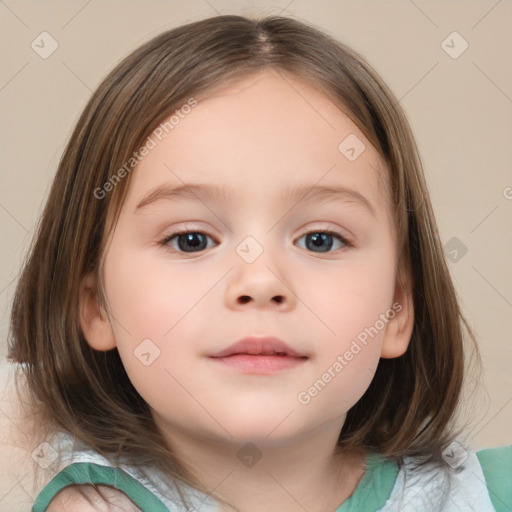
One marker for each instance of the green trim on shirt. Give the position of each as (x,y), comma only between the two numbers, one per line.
(497,469)
(88,473)
(370,495)
(375,487)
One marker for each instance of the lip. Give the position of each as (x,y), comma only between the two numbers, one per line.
(253,345)
(259,355)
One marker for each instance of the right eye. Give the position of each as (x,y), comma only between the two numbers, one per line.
(186,239)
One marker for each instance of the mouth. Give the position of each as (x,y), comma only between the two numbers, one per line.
(259,355)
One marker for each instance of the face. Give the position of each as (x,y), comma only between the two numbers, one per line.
(268,255)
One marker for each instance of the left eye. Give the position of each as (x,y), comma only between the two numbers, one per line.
(323,240)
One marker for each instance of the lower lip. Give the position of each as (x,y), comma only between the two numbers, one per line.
(260,364)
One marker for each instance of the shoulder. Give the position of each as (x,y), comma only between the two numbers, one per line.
(496,464)
(88,498)
(91,486)
(499,458)
(463,480)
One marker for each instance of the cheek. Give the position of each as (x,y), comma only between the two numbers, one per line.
(149,296)
(349,346)
(352,308)
(156,307)
(350,298)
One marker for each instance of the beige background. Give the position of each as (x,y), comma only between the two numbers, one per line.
(460,109)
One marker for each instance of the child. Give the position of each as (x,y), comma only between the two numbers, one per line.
(308,353)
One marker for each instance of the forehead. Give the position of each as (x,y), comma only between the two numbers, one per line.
(260,136)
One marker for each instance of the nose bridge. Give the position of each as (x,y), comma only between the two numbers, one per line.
(257,232)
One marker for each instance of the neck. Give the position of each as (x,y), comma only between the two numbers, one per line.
(307,473)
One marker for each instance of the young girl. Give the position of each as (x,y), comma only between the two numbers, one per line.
(237,297)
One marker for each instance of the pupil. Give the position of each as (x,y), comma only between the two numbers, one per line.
(191,240)
(319,238)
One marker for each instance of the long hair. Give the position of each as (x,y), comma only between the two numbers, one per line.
(410,404)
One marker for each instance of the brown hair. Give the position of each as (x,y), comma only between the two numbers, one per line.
(410,404)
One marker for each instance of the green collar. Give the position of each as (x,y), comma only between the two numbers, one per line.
(90,473)
(375,487)
(370,495)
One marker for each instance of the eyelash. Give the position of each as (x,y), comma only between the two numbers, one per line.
(164,242)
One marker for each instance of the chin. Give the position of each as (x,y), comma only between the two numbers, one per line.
(264,429)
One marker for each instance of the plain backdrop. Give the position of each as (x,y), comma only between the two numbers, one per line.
(449,64)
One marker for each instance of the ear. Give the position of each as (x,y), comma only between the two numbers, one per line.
(93,319)
(399,329)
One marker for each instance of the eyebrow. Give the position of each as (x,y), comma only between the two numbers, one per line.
(306,193)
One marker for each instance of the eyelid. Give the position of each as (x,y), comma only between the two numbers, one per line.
(327,227)
(184,230)
(188,227)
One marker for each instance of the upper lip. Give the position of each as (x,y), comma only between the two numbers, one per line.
(259,345)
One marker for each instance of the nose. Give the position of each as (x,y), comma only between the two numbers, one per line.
(260,284)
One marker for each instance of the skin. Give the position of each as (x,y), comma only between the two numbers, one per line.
(259,136)
(71,500)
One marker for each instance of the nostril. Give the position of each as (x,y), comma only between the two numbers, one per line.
(245,298)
